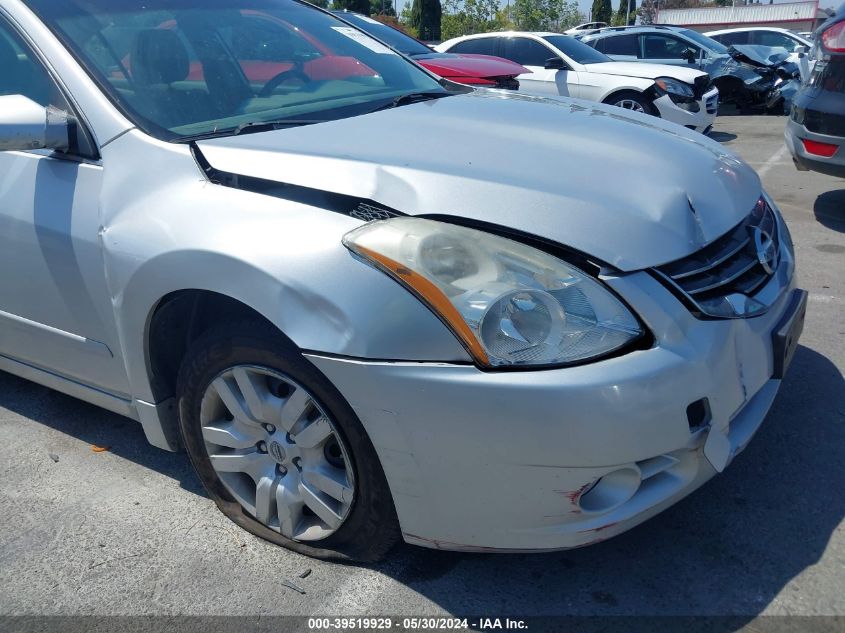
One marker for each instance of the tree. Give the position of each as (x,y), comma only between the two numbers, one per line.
(543,15)
(561,15)
(627,13)
(405,21)
(602,11)
(382,7)
(686,4)
(360,6)
(648,12)
(464,17)
(425,18)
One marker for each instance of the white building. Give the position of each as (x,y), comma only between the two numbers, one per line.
(796,16)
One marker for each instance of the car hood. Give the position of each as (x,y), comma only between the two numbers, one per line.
(644,70)
(757,55)
(451,65)
(725,65)
(625,188)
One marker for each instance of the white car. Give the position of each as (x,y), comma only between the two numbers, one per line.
(562,65)
(770,36)
(585,28)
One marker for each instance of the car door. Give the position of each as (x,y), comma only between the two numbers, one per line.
(534,55)
(661,48)
(55,308)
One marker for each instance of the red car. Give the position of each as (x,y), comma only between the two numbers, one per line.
(475,70)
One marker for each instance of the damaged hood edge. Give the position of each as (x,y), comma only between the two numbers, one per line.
(565,170)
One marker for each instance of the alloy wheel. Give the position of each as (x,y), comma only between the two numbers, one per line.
(630,104)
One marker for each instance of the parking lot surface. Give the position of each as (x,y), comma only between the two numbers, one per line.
(130,531)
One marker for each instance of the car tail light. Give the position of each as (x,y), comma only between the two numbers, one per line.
(834,38)
(819,149)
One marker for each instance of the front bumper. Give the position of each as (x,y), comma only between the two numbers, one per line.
(542,460)
(833,166)
(700,121)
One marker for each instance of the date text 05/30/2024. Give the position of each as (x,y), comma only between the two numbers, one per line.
(412,623)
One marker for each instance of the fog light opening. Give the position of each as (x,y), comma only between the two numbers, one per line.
(611,491)
(698,414)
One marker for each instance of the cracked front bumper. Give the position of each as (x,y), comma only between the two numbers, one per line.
(700,121)
(554,459)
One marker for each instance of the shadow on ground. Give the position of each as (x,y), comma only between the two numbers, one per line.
(729,549)
(94,426)
(829,209)
(722,137)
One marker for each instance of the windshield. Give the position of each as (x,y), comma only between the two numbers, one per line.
(576,50)
(182,68)
(705,42)
(398,40)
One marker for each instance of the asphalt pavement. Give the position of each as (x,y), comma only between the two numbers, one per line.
(129,530)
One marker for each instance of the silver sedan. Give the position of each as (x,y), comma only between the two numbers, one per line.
(370,304)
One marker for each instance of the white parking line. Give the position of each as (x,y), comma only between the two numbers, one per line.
(774,160)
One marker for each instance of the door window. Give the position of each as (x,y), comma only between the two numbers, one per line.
(22,73)
(619,45)
(526,52)
(729,39)
(664,47)
(775,40)
(478,46)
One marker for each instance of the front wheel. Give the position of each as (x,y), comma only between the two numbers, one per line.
(630,100)
(278,448)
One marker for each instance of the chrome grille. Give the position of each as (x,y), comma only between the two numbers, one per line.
(718,278)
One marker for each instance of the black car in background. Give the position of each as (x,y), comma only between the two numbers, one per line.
(815,132)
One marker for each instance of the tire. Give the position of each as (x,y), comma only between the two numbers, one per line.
(368,528)
(632,97)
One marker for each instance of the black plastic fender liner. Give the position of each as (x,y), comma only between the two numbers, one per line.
(353,206)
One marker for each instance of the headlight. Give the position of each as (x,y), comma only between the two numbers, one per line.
(674,87)
(508,303)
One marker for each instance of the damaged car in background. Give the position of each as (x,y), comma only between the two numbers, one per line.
(777,63)
(369,307)
(815,131)
(561,65)
(483,71)
(746,75)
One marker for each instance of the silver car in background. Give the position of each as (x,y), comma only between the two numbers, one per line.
(370,305)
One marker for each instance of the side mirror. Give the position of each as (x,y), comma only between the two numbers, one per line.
(555,63)
(25,125)
(689,55)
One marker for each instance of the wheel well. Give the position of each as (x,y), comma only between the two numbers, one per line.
(646,95)
(618,93)
(178,320)
(729,87)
